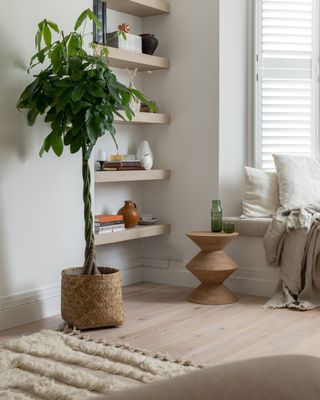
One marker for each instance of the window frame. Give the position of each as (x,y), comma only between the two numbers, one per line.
(255,55)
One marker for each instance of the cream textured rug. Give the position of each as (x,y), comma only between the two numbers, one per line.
(53,365)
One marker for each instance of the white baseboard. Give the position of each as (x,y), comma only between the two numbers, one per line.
(252,282)
(23,308)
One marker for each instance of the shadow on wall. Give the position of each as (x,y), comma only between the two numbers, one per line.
(14,146)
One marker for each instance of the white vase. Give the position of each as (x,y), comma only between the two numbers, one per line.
(134,103)
(145,155)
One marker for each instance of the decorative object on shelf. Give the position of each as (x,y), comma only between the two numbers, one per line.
(101,158)
(149,43)
(133,165)
(130,214)
(78,124)
(145,155)
(124,28)
(135,103)
(117,157)
(145,108)
(216,216)
(211,266)
(123,39)
(99,32)
(147,219)
(228,227)
(108,224)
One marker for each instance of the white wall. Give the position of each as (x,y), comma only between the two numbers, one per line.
(233,104)
(41,212)
(205,146)
(189,146)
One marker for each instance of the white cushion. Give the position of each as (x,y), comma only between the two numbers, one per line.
(299,180)
(261,198)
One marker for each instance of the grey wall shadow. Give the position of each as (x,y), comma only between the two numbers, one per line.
(15,140)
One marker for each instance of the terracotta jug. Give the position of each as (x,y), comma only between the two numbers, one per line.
(130,214)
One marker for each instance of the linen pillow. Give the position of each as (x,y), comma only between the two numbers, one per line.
(299,180)
(261,198)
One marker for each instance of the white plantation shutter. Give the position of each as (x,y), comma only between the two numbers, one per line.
(286,79)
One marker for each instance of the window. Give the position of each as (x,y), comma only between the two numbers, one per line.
(286,89)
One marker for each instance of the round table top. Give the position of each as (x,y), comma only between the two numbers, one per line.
(211,241)
(207,234)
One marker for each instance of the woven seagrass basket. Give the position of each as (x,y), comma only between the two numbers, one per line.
(91,301)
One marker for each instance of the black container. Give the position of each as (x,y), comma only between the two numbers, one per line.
(149,43)
(100,10)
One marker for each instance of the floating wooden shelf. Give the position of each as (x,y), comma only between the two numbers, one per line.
(127,176)
(128,59)
(138,232)
(144,118)
(140,8)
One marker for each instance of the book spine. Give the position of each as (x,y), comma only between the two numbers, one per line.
(108,218)
(109,229)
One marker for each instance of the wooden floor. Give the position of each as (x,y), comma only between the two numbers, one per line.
(159,319)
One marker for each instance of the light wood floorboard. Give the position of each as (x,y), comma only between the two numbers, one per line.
(159,319)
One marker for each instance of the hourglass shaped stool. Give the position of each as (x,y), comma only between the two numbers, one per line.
(212,266)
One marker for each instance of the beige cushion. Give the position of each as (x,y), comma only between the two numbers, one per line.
(299,180)
(272,378)
(261,198)
(250,226)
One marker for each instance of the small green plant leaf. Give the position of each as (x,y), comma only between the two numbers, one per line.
(47,35)
(57,144)
(53,26)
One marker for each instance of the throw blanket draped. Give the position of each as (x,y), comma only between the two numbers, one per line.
(292,242)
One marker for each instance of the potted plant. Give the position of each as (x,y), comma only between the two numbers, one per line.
(78,96)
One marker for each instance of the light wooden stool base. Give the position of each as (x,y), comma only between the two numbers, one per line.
(211,266)
(212,294)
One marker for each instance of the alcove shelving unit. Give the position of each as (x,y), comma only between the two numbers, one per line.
(140,8)
(125,59)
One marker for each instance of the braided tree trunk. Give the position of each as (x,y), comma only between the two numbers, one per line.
(90,267)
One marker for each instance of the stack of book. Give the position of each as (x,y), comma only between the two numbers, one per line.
(122,165)
(108,224)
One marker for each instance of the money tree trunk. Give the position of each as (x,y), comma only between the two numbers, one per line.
(90,267)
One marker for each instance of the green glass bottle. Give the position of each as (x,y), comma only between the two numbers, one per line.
(216,216)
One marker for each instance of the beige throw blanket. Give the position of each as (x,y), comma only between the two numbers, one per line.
(292,242)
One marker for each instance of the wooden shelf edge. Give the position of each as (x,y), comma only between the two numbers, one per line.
(140,8)
(138,232)
(131,176)
(144,118)
(119,58)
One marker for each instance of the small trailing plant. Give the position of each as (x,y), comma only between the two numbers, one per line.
(78,96)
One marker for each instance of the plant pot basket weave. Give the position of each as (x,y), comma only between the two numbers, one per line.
(91,301)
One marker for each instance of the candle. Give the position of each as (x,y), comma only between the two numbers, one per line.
(101,155)
(228,227)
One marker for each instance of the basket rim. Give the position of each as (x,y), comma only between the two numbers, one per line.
(67,273)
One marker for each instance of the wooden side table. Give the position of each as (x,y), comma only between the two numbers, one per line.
(212,266)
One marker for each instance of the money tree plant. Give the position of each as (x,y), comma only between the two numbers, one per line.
(78,96)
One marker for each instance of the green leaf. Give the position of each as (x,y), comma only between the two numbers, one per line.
(77,93)
(57,144)
(32,116)
(46,145)
(94,18)
(47,35)
(53,26)
(92,125)
(38,40)
(80,19)
(76,144)
(73,45)
(144,99)
(56,58)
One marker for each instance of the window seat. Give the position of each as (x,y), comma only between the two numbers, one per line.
(250,226)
